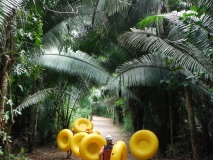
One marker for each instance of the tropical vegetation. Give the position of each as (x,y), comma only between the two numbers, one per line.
(148,64)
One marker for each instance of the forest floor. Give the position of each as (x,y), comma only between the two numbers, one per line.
(104,125)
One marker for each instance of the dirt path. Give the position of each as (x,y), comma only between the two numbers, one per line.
(104,125)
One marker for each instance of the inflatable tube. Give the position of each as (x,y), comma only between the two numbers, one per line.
(73,130)
(81,124)
(96,131)
(75,143)
(89,131)
(119,151)
(90,146)
(143,144)
(64,139)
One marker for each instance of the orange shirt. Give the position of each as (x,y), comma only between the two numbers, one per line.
(106,151)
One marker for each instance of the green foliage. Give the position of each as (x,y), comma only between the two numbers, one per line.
(211,90)
(179,4)
(150,20)
(29,31)
(199,11)
(34,99)
(196,77)
(128,122)
(21,155)
(47,122)
(57,111)
(188,18)
(120,101)
(101,111)
(54,3)
(5,137)
(1,151)
(82,112)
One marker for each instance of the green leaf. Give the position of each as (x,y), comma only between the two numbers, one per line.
(211,90)
(150,20)
(1,151)
(185,83)
(38,41)
(22,150)
(194,8)
(120,101)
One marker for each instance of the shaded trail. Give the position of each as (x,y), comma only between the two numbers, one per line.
(104,125)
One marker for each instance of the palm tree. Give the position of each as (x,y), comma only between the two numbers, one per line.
(185,50)
(80,39)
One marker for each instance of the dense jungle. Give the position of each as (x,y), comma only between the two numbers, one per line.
(146,64)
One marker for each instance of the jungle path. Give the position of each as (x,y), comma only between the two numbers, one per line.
(104,125)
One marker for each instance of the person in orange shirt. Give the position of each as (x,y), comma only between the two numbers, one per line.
(106,150)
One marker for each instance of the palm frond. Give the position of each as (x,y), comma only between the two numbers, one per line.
(65,32)
(207,23)
(140,72)
(181,56)
(206,3)
(112,55)
(116,17)
(141,9)
(7,9)
(184,4)
(74,63)
(197,28)
(112,6)
(79,91)
(150,70)
(200,89)
(34,99)
(197,31)
(146,22)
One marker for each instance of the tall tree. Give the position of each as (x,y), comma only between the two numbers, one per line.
(7,50)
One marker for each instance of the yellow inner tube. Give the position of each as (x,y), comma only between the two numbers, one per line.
(119,151)
(96,131)
(75,143)
(64,139)
(81,124)
(143,144)
(90,146)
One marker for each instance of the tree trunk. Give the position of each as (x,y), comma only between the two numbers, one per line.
(192,126)
(172,100)
(6,60)
(33,122)
(4,71)
(91,113)
(33,128)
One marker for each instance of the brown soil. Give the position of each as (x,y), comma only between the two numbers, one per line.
(104,125)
